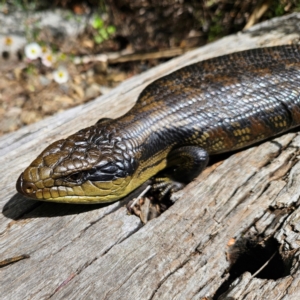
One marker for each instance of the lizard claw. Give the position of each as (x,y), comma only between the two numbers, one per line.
(165,185)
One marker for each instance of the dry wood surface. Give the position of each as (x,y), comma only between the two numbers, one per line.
(102,252)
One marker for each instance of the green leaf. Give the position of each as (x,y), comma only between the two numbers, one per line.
(111,29)
(62,56)
(97,23)
(98,39)
(104,33)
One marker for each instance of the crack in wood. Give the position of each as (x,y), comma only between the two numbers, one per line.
(71,277)
(163,280)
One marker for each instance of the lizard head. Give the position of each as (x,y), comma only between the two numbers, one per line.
(92,166)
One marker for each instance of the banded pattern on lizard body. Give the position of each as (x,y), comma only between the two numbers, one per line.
(210,107)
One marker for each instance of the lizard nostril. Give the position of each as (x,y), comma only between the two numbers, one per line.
(26,188)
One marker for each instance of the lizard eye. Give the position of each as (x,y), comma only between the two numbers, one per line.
(76,177)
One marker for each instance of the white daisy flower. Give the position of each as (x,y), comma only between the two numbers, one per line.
(61,75)
(8,41)
(48,59)
(33,51)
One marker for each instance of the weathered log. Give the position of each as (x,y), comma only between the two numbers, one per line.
(240,214)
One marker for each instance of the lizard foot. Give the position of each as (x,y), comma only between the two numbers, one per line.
(165,186)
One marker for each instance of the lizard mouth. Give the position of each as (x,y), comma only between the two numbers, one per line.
(87,193)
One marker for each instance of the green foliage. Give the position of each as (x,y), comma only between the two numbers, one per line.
(103,32)
(216,29)
(279,10)
(98,23)
(62,57)
(31,69)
